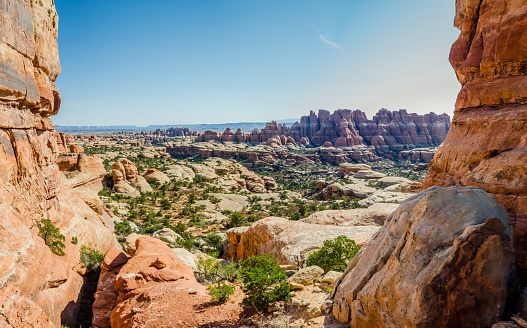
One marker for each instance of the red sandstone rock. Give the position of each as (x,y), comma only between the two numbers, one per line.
(76,149)
(487,142)
(157,289)
(38,288)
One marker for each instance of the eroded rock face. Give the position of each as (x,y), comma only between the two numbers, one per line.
(487,142)
(157,289)
(444,259)
(291,242)
(37,287)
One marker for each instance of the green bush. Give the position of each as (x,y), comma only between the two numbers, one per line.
(91,258)
(220,294)
(166,204)
(335,254)
(74,240)
(264,282)
(123,228)
(211,270)
(236,220)
(52,236)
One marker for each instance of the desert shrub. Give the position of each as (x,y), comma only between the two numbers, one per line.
(335,254)
(74,240)
(154,183)
(214,241)
(220,294)
(236,220)
(295,217)
(166,204)
(214,200)
(192,198)
(206,267)
(106,191)
(91,258)
(264,282)
(209,269)
(52,236)
(123,228)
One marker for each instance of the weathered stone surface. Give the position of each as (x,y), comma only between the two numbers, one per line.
(376,214)
(445,259)
(129,245)
(82,171)
(179,172)
(141,185)
(106,295)
(331,277)
(487,143)
(307,276)
(167,235)
(37,287)
(150,174)
(156,276)
(368,174)
(349,168)
(291,242)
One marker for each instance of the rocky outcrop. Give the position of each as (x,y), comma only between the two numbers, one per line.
(444,259)
(487,142)
(291,242)
(134,292)
(37,287)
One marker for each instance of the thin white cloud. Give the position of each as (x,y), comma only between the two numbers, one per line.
(331,43)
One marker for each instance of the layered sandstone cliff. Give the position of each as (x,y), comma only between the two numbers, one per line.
(487,142)
(387,131)
(37,287)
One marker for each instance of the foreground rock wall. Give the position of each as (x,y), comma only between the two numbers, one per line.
(37,287)
(487,142)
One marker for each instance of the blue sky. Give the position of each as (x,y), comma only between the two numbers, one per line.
(214,61)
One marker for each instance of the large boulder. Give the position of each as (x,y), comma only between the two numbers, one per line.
(291,242)
(445,259)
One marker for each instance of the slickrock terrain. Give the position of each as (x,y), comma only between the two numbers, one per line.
(444,259)
(487,142)
(37,287)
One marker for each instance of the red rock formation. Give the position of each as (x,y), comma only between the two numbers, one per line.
(155,289)
(209,135)
(76,149)
(387,131)
(487,142)
(37,288)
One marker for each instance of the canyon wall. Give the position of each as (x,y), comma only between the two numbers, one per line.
(487,142)
(37,287)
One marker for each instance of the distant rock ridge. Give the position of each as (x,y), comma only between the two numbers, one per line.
(386,131)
